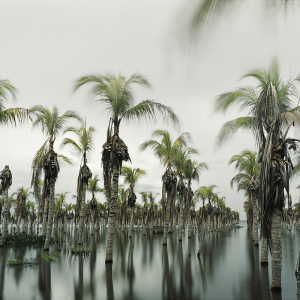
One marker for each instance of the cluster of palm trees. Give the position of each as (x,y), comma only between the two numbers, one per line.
(263,176)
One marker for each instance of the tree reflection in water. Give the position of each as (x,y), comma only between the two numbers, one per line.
(228,268)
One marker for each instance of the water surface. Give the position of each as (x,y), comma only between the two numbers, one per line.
(229,268)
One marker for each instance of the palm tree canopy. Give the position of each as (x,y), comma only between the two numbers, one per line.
(206,14)
(114,91)
(181,160)
(85,137)
(152,197)
(208,191)
(131,176)
(246,97)
(93,186)
(50,122)
(165,149)
(193,170)
(52,125)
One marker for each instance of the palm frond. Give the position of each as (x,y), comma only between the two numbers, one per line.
(231,127)
(149,110)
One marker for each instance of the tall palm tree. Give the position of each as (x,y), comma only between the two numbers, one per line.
(115,93)
(165,150)
(84,145)
(131,177)
(275,170)
(191,172)
(52,125)
(248,166)
(246,98)
(180,162)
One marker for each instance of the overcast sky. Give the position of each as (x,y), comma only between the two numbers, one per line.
(45,46)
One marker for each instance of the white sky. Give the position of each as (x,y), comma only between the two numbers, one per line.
(45,46)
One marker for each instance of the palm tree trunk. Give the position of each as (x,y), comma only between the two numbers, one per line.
(180,221)
(18,223)
(189,223)
(50,214)
(255,223)
(276,249)
(131,222)
(82,213)
(5,216)
(112,215)
(44,227)
(167,218)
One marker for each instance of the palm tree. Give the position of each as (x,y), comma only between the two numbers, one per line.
(275,170)
(191,172)
(153,206)
(84,145)
(209,195)
(21,206)
(131,177)
(246,98)
(115,93)
(6,181)
(52,125)
(180,162)
(206,14)
(165,150)
(246,179)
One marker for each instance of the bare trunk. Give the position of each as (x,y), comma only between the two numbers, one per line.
(131,222)
(44,227)
(82,213)
(255,223)
(112,216)
(189,223)
(180,221)
(167,219)
(276,249)
(5,216)
(50,214)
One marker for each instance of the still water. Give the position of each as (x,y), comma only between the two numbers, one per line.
(229,268)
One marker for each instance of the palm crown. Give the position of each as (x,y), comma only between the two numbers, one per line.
(115,93)
(246,98)
(166,149)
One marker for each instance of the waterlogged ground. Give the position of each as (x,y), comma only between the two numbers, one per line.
(229,268)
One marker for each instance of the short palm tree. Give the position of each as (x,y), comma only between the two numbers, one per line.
(208,191)
(247,165)
(84,145)
(246,98)
(131,177)
(115,93)
(165,150)
(180,161)
(52,125)
(192,171)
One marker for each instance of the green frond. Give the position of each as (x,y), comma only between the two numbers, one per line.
(72,144)
(131,176)
(62,158)
(231,127)
(150,110)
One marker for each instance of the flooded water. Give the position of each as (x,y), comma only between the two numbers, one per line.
(229,268)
